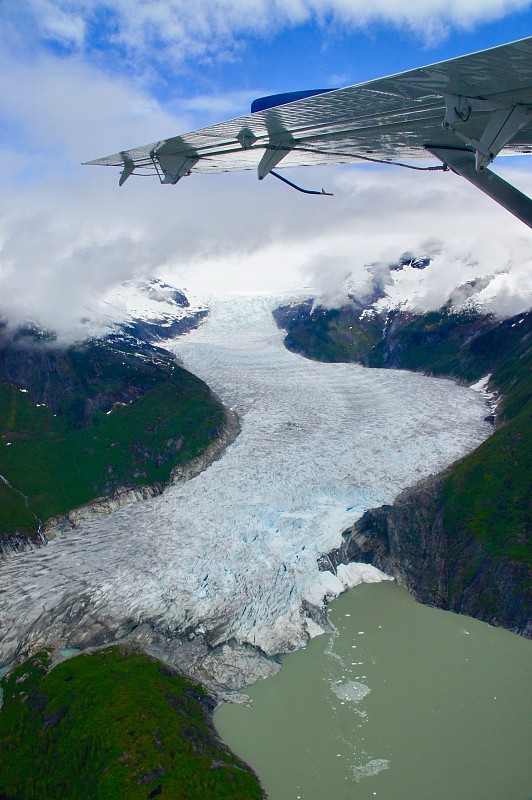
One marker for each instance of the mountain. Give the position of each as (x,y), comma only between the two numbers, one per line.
(459,540)
(88,419)
(149,311)
(114,723)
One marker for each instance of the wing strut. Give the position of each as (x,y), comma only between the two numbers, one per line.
(129,168)
(463,162)
(505,121)
(279,146)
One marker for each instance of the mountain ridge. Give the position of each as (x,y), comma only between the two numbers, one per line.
(459,540)
(113,416)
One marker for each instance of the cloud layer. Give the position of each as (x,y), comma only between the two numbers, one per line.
(177,30)
(68,233)
(66,242)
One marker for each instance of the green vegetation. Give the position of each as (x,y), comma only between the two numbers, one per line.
(85,378)
(59,462)
(487,496)
(444,342)
(435,342)
(101,373)
(14,515)
(112,726)
(333,334)
(509,347)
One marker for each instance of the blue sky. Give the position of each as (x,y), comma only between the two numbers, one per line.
(311,57)
(337,43)
(82,79)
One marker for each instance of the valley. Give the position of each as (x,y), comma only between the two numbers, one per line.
(217,589)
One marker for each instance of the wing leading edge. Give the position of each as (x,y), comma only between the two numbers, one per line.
(464,112)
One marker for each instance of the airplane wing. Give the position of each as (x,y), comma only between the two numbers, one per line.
(463,112)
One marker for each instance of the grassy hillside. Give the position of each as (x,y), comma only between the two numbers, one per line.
(335,334)
(14,513)
(56,460)
(112,726)
(486,498)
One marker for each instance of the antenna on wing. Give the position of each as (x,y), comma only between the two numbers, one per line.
(298,188)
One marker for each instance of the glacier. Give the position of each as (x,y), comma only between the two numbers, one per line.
(219,574)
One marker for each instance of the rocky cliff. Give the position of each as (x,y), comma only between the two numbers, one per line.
(459,540)
(412,541)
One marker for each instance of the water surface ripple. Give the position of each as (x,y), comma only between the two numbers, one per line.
(402,702)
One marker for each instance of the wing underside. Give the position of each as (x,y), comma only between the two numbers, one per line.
(479,105)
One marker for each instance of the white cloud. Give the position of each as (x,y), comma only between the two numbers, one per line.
(383,213)
(178,30)
(60,21)
(67,241)
(68,233)
(66,110)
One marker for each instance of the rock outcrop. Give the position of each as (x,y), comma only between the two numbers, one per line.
(411,541)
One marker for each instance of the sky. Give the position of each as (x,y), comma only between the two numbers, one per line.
(80,79)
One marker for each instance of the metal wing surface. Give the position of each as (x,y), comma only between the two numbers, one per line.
(391,119)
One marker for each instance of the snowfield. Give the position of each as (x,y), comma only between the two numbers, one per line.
(226,560)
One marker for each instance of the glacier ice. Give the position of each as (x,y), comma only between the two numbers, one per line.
(223,564)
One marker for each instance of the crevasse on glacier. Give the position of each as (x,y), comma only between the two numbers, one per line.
(230,556)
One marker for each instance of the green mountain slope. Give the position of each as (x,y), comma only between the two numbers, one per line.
(83,423)
(111,725)
(461,540)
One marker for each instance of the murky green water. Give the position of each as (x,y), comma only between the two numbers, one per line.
(404,702)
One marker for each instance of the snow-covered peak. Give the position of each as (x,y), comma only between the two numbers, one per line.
(418,282)
(131,302)
(162,292)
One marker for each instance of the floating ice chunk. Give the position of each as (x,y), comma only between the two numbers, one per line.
(372,767)
(355,574)
(313,629)
(354,691)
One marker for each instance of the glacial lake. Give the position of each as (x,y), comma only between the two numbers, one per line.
(402,702)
